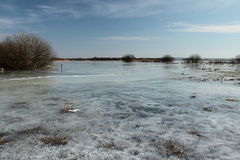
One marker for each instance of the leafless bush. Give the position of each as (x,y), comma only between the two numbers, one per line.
(128,58)
(167,58)
(25,51)
(237,59)
(194,58)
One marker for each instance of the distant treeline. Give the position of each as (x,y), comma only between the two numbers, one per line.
(166,58)
(108,59)
(89,59)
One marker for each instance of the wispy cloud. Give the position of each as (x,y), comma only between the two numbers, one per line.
(121,38)
(100,8)
(186,27)
(127,8)
(76,9)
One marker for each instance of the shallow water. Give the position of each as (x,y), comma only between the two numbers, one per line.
(127,111)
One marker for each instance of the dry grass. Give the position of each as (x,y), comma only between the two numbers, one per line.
(55,140)
(109,145)
(233,100)
(67,107)
(2,141)
(193,97)
(2,134)
(207,109)
(195,133)
(174,148)
(33,130)
(20,105)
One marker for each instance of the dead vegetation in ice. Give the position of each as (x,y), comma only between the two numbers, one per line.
(211,72)
(154,119)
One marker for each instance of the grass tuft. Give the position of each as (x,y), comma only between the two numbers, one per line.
(67,107)
(207,109)
(233,100)
(109,145)
(174,148)
(55,140)
(2,141)
(195,133)
(33,130)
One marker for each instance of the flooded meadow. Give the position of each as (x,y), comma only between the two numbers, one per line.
(96,110)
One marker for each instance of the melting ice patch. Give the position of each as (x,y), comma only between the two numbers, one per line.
(147,114)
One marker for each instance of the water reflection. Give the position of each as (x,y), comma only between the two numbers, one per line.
(128,64)
(194,66)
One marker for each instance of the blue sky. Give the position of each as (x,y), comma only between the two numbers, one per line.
(113,28)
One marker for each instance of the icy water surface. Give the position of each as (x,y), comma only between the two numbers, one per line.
(127,111)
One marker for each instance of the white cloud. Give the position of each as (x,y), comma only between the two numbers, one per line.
(126,38)
(186,27)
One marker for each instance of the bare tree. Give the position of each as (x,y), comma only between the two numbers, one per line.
(25,51)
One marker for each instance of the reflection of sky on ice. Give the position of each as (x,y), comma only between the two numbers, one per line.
(128,111)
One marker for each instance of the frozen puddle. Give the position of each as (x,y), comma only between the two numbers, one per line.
(148,118)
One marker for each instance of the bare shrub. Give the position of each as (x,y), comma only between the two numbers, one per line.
(194,58)
(128,58)
(25,51)
(237,59)
(167,58)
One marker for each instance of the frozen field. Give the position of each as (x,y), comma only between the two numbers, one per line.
(132,111)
